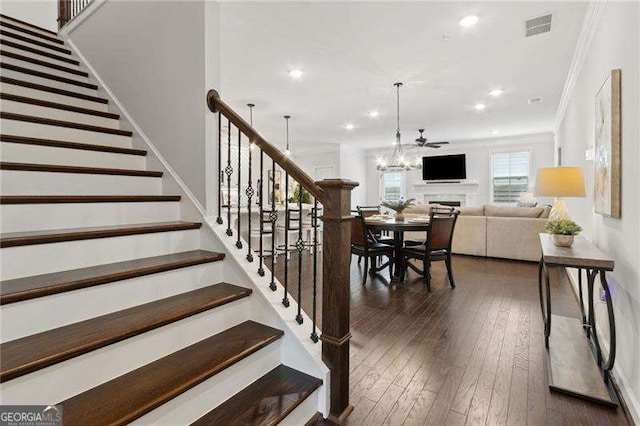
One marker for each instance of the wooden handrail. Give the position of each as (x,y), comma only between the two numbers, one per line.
(218,105)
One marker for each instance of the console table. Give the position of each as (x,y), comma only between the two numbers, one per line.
(575,361)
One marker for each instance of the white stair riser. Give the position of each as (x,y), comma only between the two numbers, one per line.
(52,97)
(10,34)
(50,82)
(37,217)
(21,51)
(24,153)
(42,68)
(303,412)
(23,261)
(81,373)
(15,182)
(58,114)
(22,319)
(27,27)
(193,404)
(60,133)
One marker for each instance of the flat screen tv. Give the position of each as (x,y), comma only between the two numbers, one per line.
(444,167)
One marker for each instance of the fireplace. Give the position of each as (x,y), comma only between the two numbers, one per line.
(446,203)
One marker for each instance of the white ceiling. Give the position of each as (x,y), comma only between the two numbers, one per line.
(352,53)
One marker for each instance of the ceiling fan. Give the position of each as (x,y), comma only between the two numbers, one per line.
(423,142)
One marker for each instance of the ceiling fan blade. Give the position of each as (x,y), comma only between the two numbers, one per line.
(429,145)
(440,143)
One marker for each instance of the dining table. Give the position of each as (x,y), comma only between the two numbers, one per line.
(398,228)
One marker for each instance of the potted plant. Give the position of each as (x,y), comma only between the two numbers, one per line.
(563,231)
(398,207)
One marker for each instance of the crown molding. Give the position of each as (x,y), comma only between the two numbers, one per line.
(589,26)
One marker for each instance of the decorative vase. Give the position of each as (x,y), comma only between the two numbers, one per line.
(562,240)
(399,217)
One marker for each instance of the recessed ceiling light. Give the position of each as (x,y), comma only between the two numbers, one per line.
(373,113)
(479,106)
(349,126)
(469,21)
(496,92)
(495,132)
(295,73)
(535,100)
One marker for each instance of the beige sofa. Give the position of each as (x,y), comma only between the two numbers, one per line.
(494,231)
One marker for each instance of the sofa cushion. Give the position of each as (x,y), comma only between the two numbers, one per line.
(471,211)
(418,209)
(509,211)
(514,238)
(545,212)
(470,236)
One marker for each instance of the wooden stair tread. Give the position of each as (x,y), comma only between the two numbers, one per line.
(11,18)
(55,168)
(70,145)
(75,199)
(42,63)
(17,36)
(61,123)
(26,288)
(131,395)
(13,239)
(55,90)
(267,401)
(46,75)
(67,59)
(31,353)
(39,102)
(52,38)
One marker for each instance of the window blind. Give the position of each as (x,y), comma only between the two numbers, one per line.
(509,176)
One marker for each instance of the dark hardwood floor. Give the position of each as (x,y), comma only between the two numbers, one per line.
(473,355)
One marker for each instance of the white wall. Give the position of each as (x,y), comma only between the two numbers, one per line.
(353,166)
(42,13)
(616,44)
(478,158)
(154,62)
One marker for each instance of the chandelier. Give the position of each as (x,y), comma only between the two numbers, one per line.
(398,160)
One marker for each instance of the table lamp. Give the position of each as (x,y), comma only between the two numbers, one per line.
(560,182)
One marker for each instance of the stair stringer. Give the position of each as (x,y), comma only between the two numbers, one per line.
(297,349)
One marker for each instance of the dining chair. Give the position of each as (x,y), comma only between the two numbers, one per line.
(432,209)
(364,244)
(263,230)
(312,227)
(437,247)
(290,226)
(381,236)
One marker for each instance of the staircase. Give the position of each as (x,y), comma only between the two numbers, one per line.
(112,305)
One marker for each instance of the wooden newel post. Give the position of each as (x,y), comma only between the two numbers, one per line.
(336,292)
(63,13)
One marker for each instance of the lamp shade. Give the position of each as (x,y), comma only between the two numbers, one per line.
(560,182)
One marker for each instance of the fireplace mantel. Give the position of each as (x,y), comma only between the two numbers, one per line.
(465,191)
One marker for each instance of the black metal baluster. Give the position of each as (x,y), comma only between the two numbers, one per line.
(314,224)
(300,247)
(285,298)
(249,190)
(239,240)
(229,171)
(261,201)
(219,219)
(273,218)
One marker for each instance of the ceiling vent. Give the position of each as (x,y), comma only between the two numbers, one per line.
(538,25)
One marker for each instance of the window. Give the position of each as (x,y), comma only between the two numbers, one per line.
(509,176)
(392,186)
